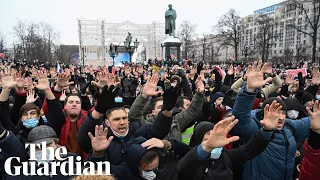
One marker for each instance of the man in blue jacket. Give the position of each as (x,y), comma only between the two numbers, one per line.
(278,159)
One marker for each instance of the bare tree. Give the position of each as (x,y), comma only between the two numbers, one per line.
(37,41)
(2,43)
(229,27)
(288,55)
(310,10)
(187,34)
(265,36)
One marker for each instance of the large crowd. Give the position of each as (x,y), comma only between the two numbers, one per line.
(173,120)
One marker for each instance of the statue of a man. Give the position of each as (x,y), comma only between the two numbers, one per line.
(129,39)
(170,23)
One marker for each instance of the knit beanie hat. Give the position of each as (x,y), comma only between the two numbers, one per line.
(216,96)
(224,89)
(270,100)
(306,97)
(200,130)
(274,94)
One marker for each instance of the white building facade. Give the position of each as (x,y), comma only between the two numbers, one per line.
(95,37)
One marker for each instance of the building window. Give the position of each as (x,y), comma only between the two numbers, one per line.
(275,52)
(280,52)
(304,42)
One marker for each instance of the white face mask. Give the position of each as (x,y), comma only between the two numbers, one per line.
(38,156)
(293,114)
(148,175)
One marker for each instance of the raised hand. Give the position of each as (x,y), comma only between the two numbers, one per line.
(150,88)
(153,143)
(315,117)
(105,78)
(269,69)
(20,80)
(30,96)
(63,96)
(63,80)
(255,78)
(316,78)
(315,70)
(43,82)
(170,97)
(272,115)
(231,70)
(106,99)
(99,141)
(199,85)
(289,79)
(8,80)
(218,136)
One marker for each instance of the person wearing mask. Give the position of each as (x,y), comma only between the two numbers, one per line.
(29,113)
(142,155)
(181,120)
(39,135)
(277,161)
(117,120)
(209,160)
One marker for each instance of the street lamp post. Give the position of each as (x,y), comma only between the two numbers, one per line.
(82,49)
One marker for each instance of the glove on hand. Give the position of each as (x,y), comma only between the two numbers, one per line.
(170,97)
(106,99)
(199,67)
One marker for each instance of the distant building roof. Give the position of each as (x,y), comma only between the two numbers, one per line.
(267,10)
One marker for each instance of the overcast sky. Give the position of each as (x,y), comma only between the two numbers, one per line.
(63,14)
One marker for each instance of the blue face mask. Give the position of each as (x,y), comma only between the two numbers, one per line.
(216,153)
(118,99)
(318,97)
(31,123)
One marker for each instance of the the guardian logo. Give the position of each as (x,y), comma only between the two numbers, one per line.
(51,160)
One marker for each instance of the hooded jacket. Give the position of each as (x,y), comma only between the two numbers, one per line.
(191,166)
(278,159)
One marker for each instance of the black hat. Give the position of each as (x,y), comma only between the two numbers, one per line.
(201,129)
(270,100)
(306,97)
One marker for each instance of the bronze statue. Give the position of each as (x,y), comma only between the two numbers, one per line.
(129,39)
(170,24)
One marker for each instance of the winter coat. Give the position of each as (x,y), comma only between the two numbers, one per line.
(192,167)
(180,121)
(310,165)
(276,84)
(115,152)
(60,123)
(277,161)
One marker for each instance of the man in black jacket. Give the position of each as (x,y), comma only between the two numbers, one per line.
(121,131)
(210,161)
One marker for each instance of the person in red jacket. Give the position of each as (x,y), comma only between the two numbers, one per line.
(310,165)
(66,121)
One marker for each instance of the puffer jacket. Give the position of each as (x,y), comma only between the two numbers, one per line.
(278,160)
(276,84)
(180,120)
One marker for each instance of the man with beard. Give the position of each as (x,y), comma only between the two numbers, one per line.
(66,120)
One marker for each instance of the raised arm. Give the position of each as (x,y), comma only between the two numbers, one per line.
(245,99)
(149,90)
(162,125)
(56,117)
(310,165)
(185,117)
(260,140)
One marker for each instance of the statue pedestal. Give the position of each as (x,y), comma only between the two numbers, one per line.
(171,48)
